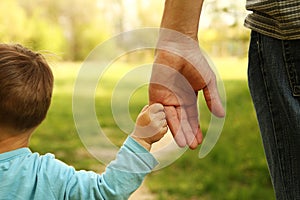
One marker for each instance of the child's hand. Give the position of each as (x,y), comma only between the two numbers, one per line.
(151,125)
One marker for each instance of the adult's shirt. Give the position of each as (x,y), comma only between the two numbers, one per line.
(276,18)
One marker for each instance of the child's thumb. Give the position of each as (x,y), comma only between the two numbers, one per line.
(144,117)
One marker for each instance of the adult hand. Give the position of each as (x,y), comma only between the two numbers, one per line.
(179,72)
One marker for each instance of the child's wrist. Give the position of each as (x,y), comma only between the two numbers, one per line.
(142,142)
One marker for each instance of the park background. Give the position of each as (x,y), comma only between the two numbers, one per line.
(67,31)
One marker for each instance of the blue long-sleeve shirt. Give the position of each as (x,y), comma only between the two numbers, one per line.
(28,176)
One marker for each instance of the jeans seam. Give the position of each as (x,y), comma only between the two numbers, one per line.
(290,68)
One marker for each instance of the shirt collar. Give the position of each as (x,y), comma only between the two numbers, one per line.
(14,153)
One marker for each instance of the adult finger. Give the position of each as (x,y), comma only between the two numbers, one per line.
(174,125)
(192,113)
(189,125)
(213,100)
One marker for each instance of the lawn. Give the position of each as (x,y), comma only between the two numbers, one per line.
(235,169)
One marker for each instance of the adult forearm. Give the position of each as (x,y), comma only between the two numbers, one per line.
(182,16)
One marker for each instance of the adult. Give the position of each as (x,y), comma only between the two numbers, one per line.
(273,74)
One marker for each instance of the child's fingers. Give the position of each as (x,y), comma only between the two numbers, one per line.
(163,131)
(158,116)
(154,108)
(156,112)
(162,123)
(165,123)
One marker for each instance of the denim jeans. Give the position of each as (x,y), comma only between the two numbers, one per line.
(274,83)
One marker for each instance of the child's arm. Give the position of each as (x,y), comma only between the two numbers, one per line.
(123,175)
(134,160)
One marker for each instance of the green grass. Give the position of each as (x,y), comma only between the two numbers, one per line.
(235,169)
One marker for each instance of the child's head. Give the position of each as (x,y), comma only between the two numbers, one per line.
(26,84)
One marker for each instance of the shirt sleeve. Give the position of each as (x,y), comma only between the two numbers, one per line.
(121,177)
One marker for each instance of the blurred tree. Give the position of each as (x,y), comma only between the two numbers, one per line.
(150,12)
(83,28)
(44,34)
(80,22)
(13,24)
(221,28)
(28,28)
(72,28)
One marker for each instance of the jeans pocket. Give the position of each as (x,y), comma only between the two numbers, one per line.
(292,60)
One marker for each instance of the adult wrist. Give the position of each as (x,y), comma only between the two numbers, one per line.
(182,16)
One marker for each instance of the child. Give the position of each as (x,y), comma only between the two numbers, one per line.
(26,83)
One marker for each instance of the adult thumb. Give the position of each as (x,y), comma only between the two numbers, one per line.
(213,100)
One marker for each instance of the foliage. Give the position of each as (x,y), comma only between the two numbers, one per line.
(61,27)
(72,28)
